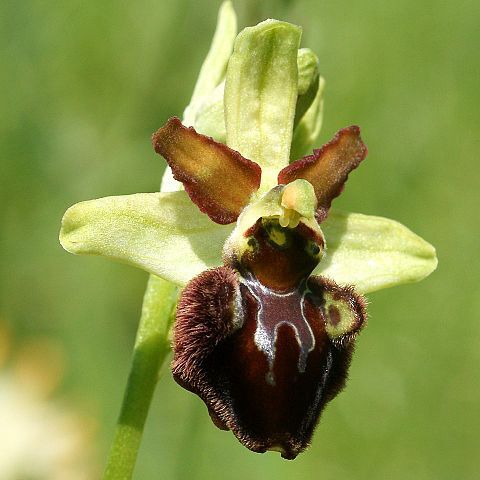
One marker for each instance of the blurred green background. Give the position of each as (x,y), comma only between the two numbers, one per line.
(84,84)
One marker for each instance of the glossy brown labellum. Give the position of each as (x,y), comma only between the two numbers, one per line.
(256,350)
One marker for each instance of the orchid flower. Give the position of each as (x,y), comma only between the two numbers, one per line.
(272,277)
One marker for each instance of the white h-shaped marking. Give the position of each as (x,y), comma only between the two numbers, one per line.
(266,337)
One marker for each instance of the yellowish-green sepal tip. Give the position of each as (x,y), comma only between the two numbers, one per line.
(373,253)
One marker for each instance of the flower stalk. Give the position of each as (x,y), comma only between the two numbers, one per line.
(151,348)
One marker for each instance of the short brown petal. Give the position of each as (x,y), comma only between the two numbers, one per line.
(328,168)
(218,179)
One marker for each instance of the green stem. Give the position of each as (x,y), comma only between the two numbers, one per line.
(151,348)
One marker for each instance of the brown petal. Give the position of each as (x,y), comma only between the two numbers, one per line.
(328,168)
(218,179)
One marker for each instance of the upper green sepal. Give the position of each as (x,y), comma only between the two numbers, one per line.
(210,118)
(261,94)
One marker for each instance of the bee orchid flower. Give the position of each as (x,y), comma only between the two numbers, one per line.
(272,277)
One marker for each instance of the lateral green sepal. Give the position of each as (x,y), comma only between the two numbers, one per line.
(162,233)
(372,253)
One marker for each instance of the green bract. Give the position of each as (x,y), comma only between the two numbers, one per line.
(271,112)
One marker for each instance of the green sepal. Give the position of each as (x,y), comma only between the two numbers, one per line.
(214,66)
(372,253)
(162,233)
(308,128)
(210,79)
(261,95)
(308,80)
(210,118)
